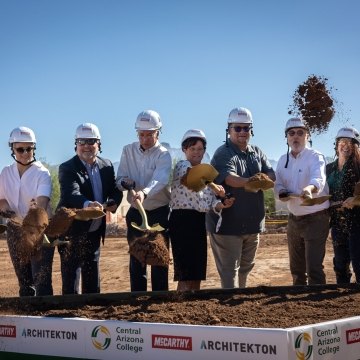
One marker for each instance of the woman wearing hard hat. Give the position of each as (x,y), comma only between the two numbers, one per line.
(187,219)
(21,183)
(342,176)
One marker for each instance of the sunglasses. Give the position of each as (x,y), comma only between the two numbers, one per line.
(241,128)
(297,132)
(86,141)
(21,150)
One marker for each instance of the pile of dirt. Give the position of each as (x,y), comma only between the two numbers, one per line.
(265,307)
(313,101)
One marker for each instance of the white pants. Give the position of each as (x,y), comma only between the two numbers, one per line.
(234,257)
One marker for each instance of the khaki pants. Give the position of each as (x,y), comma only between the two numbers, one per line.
(234,257)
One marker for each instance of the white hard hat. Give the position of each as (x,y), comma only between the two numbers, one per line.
(148,120)
(240,115)
(87,131)
(294,123)
(196,133)
(348,132)
(22,134)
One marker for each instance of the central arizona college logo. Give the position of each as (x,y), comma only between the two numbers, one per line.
(303,346)
(103,333)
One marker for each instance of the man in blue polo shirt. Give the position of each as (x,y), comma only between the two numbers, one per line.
(235,243)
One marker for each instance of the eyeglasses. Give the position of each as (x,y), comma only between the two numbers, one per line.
(241,128)
(297,132)
(21,150)
(86,141)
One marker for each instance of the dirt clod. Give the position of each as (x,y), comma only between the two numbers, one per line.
(313,101)
(60,222)
(150,249)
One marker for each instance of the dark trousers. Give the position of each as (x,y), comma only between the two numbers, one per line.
(138,275)
(35,276)
(307,244)
(82,252)
(346,243)
(341,259)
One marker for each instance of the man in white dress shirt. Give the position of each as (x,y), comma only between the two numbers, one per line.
(146,164)
(302,171)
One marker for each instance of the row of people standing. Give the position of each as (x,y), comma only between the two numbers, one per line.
(88,180)
(235,238)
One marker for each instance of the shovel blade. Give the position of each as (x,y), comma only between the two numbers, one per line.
(142,227)
(315,201)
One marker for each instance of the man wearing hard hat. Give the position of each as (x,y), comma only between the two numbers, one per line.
(300,175)
(235,243)
(86,180)
(145,167)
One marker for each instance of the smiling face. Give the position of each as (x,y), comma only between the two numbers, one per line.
(194,151)
(87,149)
(344,148)
(297,139)
(240,134)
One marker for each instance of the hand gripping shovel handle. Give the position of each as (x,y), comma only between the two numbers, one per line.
(145,225)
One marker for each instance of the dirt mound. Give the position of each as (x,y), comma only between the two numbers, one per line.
(313,101)
(266,307)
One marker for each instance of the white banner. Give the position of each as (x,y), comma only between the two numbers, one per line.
(110,339)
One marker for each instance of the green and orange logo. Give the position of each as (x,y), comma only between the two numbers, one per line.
(101,337)
(303,346)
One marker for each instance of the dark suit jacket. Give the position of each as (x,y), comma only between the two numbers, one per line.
(75,189)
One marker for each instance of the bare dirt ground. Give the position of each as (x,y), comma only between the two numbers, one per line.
(269,301)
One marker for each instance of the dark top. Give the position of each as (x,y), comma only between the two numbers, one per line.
(75,189)
(341,186)
(247,215)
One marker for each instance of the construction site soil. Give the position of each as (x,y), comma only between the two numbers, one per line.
(269,302)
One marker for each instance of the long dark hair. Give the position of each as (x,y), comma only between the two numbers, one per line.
(355,156)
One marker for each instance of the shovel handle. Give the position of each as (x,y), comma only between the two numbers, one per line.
(216,188)
(141,209)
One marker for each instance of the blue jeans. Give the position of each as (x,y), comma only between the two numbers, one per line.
(138,275)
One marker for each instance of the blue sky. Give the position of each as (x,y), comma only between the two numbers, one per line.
(67,62)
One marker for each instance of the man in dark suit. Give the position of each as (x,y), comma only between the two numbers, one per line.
(86,180)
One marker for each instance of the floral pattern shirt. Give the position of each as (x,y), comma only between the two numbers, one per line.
(184,198)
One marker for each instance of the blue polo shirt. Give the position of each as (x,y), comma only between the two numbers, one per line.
(247,215)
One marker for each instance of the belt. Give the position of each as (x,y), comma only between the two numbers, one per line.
(301,217)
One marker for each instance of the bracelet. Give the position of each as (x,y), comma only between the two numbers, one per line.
(145,195)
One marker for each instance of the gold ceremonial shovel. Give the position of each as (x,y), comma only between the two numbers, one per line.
(307,201)
(144,225)
(199,176)
(311,201)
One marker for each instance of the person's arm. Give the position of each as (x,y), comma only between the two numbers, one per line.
(317,176)
(70,193)
(161,175)
(235,180)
